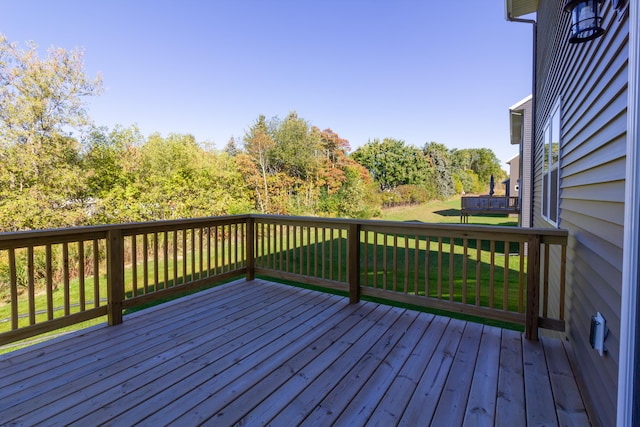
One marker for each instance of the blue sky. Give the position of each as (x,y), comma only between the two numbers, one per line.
(414,70)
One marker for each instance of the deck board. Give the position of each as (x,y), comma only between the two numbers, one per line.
(264,353)
(540,407)
(305,402)
(112,377)
(209,372)
(284,383)
(334,403)
(392,405)
(426,395)
(568,401)
(454,397)
(482,396)
(510,409)
(364,403)
(73,371)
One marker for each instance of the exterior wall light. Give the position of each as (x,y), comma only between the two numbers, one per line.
(586,21)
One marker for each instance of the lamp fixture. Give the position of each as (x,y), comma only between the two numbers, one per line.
(586,21)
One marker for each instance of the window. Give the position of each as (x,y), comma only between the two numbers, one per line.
(550,168)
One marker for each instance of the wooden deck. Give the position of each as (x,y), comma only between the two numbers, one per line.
(256,352)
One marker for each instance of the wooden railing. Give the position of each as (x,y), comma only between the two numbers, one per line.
(56,278)
(470,205)
(475,270)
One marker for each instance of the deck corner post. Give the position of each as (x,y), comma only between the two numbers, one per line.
(533,288)
(115,276)
(251,245)
(353,262)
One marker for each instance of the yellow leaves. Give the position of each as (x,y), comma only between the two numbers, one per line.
(42,96)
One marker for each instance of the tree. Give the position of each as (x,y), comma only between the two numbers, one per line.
(477,165)
(346,186)
(392,163)
(333,160)
(44,189)
(296,154)
(108,158)
(42,98)
(439,157)
(41,101)
(258,143)
(286,151)
(175,177)
(356,197)
(296,147)
(231,148)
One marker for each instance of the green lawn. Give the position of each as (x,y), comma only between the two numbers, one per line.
(401,265)
(443,212)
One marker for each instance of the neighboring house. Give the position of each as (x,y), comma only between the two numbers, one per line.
(507,187)
(512,184)
(520,119)
(586,179)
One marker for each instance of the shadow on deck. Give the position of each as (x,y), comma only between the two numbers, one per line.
(259,352)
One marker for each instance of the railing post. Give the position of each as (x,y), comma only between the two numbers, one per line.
(353,262)
(115,276)
(533,288)
(250,245)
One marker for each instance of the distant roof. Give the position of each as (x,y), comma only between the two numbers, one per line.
(516,120)
(518,8)
(517,156)
(518,105)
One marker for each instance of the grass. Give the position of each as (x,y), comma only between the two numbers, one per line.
(452,267)
(404,268)
(443,212)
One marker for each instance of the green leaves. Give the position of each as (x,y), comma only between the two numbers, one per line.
(406,174)
(41,101)
(163,178)
(392,163)
(473,167)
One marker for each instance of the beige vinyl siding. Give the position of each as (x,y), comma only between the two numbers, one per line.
(589,81)
(514,174)
(607,212)
(605,192)
(526,153)
(579,175)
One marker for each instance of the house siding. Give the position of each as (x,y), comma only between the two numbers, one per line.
(526,153)
(589,81)
(514,176)
(524,162)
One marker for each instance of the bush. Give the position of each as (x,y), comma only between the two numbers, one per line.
(406,195)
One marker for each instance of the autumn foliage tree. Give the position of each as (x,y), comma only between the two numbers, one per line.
(296,168)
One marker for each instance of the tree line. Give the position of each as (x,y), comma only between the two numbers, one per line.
(60,170)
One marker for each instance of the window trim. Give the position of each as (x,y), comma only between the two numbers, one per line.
(548,166)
